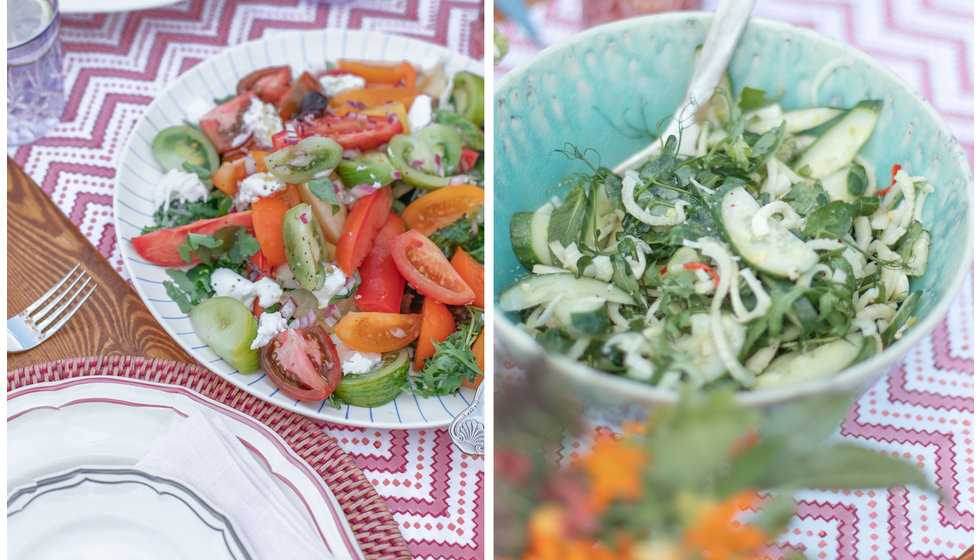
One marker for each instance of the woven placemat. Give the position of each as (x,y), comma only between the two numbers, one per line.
(373,526)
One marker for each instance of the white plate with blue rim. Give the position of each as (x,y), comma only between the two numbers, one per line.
(190,96)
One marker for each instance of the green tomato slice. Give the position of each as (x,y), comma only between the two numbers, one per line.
(228,328)
(427,158)
(301,161)
(175,145)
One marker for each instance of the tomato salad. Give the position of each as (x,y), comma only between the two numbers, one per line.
(327,229)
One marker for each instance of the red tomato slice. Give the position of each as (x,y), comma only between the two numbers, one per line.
(160,246)
(292,102)
(427,270)
(363,223)
(377,332)
(354,131)
(437,324)
(270,84)
(382,285)
(467,160)
(303,363)
(223,124)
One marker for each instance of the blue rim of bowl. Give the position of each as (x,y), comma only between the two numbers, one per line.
(846,380)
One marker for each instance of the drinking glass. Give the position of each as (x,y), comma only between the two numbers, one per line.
(35,83)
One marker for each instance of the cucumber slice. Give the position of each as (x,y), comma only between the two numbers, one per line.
(820,362)
(796,121)
(838,145)
(529,236)
(228,328)
(536,289)
(778,252)
(583,317)
(378,386)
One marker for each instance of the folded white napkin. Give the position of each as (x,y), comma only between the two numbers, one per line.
(205,454)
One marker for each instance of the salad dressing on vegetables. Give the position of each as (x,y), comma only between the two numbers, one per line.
(282,216)
(768,256)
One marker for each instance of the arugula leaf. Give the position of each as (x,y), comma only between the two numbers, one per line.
(183,213)
(190,287)
(228,243)
(833,220)
(857,180)
(322,188)
(803,198)
(452,362)
(466,234)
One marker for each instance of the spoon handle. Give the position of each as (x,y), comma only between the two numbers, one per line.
(726,27)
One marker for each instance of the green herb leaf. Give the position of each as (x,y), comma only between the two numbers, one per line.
(452,362)
(567,221)
(322,188)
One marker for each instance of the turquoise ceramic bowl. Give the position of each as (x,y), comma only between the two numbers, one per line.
(588,89)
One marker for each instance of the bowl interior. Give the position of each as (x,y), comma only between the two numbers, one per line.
(591,90)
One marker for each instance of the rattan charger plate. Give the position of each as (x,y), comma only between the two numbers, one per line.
(374,528)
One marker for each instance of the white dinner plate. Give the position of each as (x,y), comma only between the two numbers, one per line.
(188,98)
(113,421)
(106,6)
(117,513)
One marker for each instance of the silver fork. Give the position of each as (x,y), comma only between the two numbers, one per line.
(35,324)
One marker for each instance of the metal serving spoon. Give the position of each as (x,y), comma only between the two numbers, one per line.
(467,429)
(723,34)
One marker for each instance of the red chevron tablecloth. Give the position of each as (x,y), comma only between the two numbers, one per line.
(116,64)
(923,409)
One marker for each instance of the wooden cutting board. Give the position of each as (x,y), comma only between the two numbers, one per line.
(43,245)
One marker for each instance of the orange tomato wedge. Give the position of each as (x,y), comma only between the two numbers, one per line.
(437,324)
(471,271)
(440,208)
(367,331)
(382,73)
(373,96)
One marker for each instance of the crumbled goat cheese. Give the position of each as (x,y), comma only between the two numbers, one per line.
(257,186)
(420,114)
(227,282)
(181,186)
(332,85)
(262,120)
(352,361)
(334,283)
(270,324)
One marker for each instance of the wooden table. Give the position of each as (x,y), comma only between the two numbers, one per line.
(42,245)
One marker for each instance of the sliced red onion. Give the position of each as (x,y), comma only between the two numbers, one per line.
(287,308)
(457,179)
(292,134)
(392,117)
(304,322)
(250,164)
(357,105)
(304,217)
(396,175)
(363,190)
(438,160)
(417,164)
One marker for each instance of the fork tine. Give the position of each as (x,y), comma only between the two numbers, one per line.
(30,308)
(45,313)
(45,332)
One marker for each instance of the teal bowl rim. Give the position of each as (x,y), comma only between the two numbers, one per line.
(858,376)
